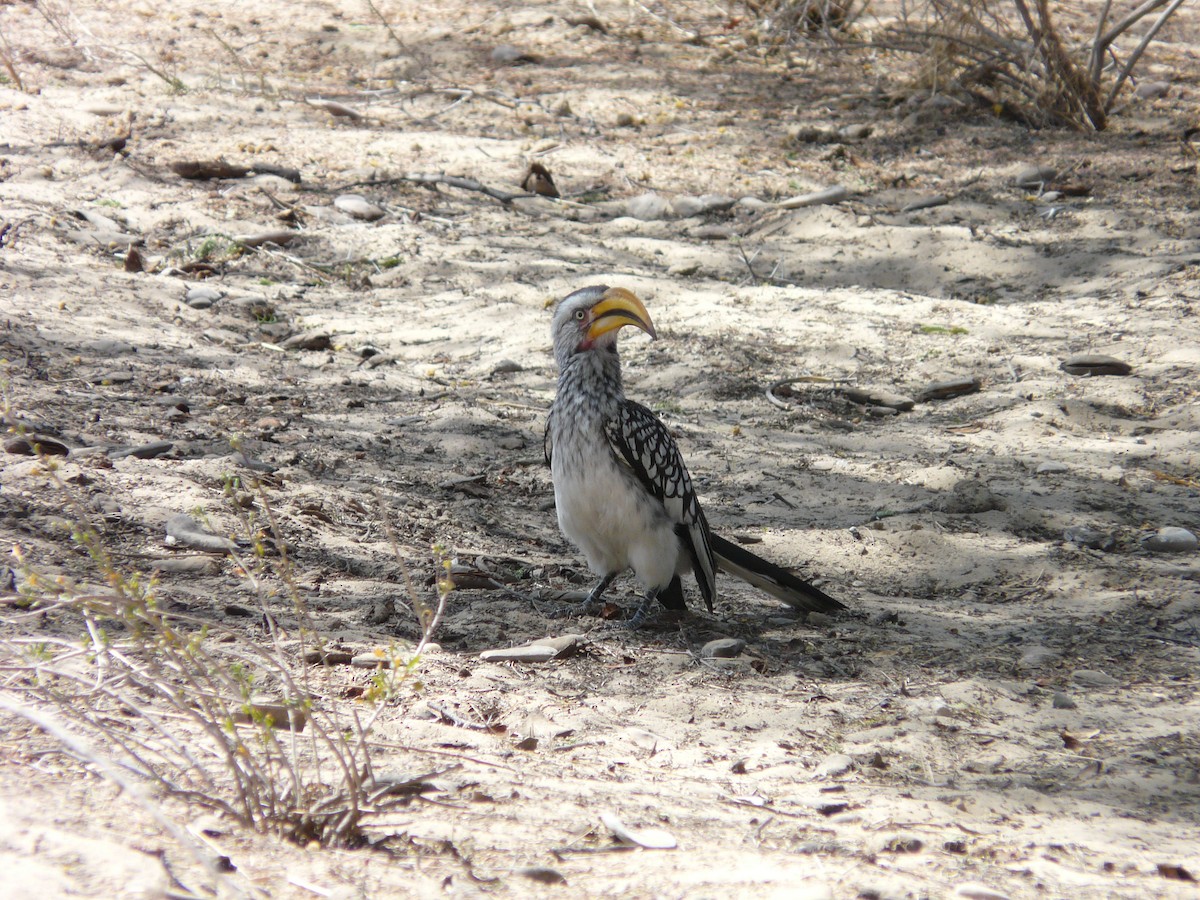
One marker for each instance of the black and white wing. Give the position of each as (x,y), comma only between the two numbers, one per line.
(643,442)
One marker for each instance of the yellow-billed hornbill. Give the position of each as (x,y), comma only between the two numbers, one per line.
(622,491)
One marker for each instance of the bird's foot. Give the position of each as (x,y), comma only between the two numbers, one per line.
(585,607)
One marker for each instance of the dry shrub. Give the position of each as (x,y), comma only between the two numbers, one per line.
(1041,62)
(786,21)
(243,725)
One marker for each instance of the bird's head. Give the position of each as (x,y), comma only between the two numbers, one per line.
(589,319)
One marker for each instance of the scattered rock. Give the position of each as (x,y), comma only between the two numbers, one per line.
(925,203)
(713,233)
(1095,364)
(1151,90)
(945,390)
(359,207)
(835,194)
(1062,701)
(1037,656)
(184,531)
(309,340)
(751,206)
(1091,538)
(542,875)
(722,648)
(873,396)
(152,450)
(587,21)
(648,207)
(202,296)
(1034,177)
(857,132)
(1093,678)
(1052,467)
(834,765)
(1171,540)
(280,237)
(504,367)
(188,565)
(712,203)
(973,890)
(508,55)
(528,654)
(649,838)
(335,109)
(543,650)
(969,496)
(685,207)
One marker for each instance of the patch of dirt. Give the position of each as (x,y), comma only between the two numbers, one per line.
(1017,709)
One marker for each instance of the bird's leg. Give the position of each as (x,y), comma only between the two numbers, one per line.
(642,613)
(590,605)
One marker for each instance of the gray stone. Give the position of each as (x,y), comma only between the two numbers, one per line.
(1091,538)
(1093,678)
(722,648)
(751,205)
(1171,540)
(1052,467)
(359,207)
(685,207)
(1062,701)
(1034,176)
(833,765)
(716,202)
(648,207)
(201,296)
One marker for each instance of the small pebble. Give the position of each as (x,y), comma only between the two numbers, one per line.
(648,207)
(1093,678)
(973,890)
(1034,176)
(152,450)
(507,367)
(201,296)
(716,202)
(1091,538)
(834,765)
(945,390)
(1038,656)
(531,654)
(308,340)
(1171,540)
(685,206)
(968,497)
(359,207)
(1062,701)
(835,194)
(508,55)
(722,648)
(280,237)
(712,233)
(1052,467)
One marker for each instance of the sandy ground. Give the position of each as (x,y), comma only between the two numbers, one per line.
(1003,710)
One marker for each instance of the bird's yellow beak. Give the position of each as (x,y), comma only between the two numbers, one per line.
(619,307)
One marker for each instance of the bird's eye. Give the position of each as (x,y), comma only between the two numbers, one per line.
(579,314)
